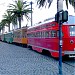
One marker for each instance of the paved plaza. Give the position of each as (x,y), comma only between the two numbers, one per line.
(15,60)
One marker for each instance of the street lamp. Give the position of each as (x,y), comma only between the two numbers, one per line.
(59,8)
(61,16)
(31,9)
(31,12)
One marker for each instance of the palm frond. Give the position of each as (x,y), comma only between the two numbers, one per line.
(19,4)
(25,6)
(12,6)
(72,2)
(43,3)
(19,9)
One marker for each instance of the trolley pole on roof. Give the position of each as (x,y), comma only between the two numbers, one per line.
(60,8)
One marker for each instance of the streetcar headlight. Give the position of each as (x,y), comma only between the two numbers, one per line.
(71,41)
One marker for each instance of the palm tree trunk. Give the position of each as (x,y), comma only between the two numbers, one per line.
(9,27)
(19,22)
(3,30)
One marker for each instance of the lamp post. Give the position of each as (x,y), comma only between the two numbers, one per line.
(60,18)
(31,12)
(31,9)
(60,8)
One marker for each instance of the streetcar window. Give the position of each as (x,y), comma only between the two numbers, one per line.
(32,35)
(53,33)
(38,34)
(47,34)
(28,35)
(72,30)
(53,24)
(43,34)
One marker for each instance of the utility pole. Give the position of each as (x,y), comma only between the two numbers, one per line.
(31,12)
(60,8)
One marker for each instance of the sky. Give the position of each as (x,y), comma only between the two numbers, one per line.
(38,14)
(44,13)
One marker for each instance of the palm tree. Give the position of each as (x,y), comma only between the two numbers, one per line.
(19,9)
(42,3)
(2,25)
(7,19)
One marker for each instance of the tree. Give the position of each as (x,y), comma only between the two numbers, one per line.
(42,3)
(7,19)
(2,25)
(19,9)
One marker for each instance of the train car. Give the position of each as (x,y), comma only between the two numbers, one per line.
(3,37)
(20,36)
(45,38)
(9,37)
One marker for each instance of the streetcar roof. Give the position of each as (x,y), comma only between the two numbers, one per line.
(44,22)
(69,22)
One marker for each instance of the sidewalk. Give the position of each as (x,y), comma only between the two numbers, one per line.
(15,60)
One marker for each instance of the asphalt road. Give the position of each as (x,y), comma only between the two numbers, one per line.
(15,60)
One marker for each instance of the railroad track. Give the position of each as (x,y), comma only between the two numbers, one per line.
(70,62)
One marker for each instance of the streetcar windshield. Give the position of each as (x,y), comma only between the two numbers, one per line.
(72,30)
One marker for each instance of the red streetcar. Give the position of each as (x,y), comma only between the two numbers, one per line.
(45,37)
